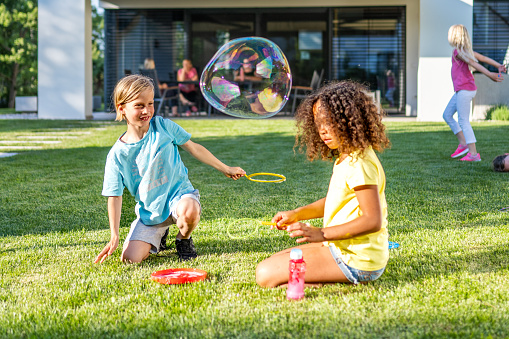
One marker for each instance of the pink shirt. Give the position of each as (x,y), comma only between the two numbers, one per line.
(391,82)
(462,78)
(188,76)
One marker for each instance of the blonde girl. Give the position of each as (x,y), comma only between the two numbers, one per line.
(463,60)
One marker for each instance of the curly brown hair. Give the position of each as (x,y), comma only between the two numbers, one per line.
(353,114)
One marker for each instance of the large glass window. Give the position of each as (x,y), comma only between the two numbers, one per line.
(134,35)
(491,30)
(212,28)
(368,45)
(302,35)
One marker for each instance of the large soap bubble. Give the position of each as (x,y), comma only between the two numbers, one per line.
(247,78)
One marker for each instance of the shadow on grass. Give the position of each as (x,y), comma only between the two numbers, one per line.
(403,267)
(409,267)
(41,246)
(425,189)
(52,191)
(59,189)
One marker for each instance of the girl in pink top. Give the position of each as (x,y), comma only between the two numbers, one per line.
(463,59)
(188,93)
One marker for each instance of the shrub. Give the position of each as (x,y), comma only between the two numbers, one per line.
(498,112)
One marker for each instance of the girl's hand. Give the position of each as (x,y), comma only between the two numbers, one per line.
(282,219)
(502,69)
(497,77)
(234,172)
(306,231)
(107,250)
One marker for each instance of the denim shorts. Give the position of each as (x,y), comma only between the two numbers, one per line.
(354,275)
(153,234)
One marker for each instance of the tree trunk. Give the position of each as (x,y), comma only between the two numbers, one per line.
(12,90)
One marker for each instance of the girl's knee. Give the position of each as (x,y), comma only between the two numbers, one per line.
(261,275)
(463,121)
(265,276)
(448,116)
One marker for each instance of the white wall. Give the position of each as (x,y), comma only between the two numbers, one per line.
(65,59)
(434,74)
(412,56)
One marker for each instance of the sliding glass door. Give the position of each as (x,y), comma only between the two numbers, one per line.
(368,45)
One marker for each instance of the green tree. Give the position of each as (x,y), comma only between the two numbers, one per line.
(18,49)
(97,51)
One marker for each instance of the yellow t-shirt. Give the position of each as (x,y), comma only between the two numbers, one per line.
(369,252)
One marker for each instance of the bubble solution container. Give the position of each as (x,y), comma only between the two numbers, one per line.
(295,289)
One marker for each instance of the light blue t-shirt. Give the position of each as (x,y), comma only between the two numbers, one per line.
(151,169)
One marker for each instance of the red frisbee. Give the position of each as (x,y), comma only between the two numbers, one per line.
(179,276)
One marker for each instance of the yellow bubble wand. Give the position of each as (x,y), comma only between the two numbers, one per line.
(281,177)
(241,223)
(269,223)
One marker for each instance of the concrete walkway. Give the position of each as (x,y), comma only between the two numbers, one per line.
(19,116)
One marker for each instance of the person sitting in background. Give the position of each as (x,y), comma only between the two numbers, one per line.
(247,72)
(501,163)
(150,64)
(188,93)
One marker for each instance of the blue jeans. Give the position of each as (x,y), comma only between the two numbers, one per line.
(354,275)
(460,102)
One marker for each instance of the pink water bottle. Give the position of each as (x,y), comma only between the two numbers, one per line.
(295,289)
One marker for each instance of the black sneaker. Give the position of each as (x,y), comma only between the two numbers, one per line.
(185,249)
(163,246)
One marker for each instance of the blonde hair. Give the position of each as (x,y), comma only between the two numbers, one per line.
(460,40)
(128,89)
(149,63)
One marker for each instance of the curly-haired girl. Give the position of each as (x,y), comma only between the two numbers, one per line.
(341,122)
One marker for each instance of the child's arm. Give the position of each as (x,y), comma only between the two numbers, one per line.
(114,211)
(369,222)
(204,155)
(497,77)
(501,68)
(311,211)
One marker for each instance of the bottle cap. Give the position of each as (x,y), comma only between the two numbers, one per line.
(296,253)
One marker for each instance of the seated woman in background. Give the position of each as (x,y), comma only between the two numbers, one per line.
(247,72)
(188,93)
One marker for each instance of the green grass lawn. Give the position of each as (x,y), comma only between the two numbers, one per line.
(449,278)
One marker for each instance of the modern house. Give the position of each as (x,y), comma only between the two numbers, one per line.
(398,47)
